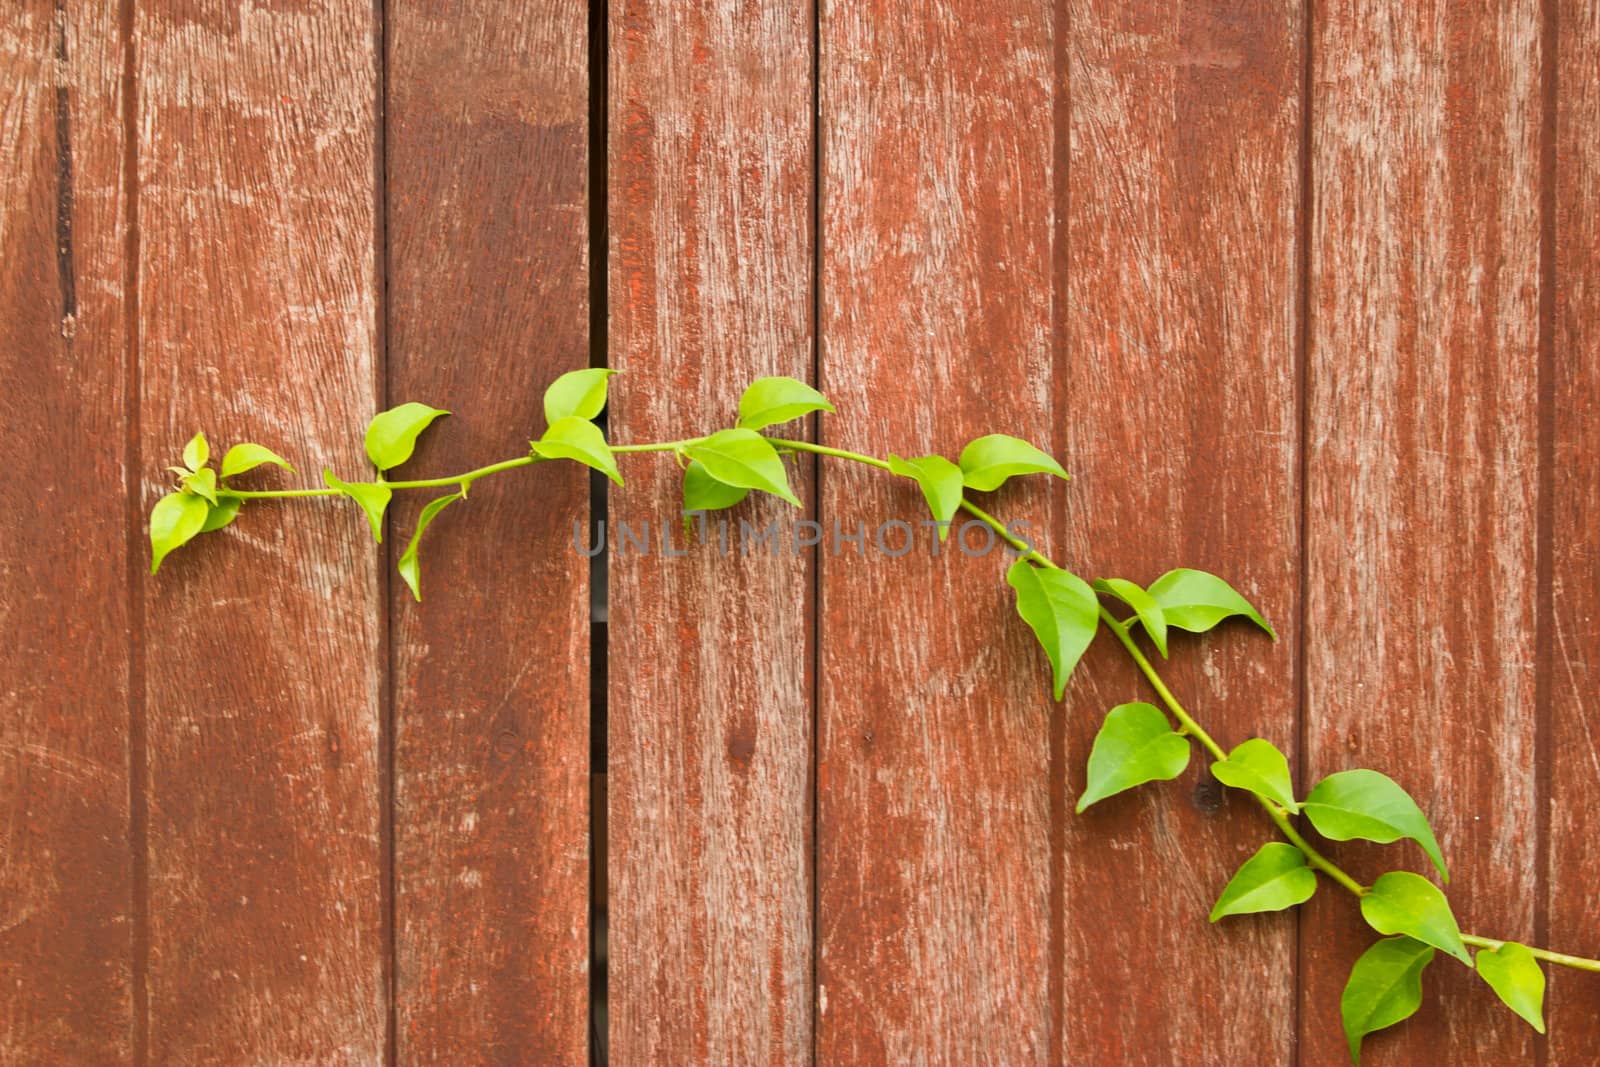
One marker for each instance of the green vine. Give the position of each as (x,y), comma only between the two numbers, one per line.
(1138,743)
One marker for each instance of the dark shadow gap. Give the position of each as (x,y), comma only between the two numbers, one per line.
(1305,228)
(388,781)
(599,564)
(138,759)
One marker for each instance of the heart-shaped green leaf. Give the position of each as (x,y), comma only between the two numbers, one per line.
(1404,903)
(221,514)
(241,458)
(392,435)
(372,496)
(744,459)
(1276,877)
(580,393)
(1197,601)
(941,484)
(770,401)
(409,565)
(1258,766)
(1135,745)
(578,439)
(202,483)
(1371,806)
(1517,979)
(987,462)
(1061,609)
(1385,988)
(701,492)
(196,452)
(1147,610)
(175,521)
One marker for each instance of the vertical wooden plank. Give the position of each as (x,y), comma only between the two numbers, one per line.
(1421,477)
(933,780)
(488,302)
(710,702)
(258,295)
(1179,408)
(65,892)
(1574,620)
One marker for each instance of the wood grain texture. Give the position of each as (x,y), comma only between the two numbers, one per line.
(1178,404)
(710,697)
(933,779)
(488,303)
(66,959)
(1422,478)
(258,299)
(1574,620)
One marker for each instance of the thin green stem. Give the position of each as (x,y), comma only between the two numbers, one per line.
(1188,724)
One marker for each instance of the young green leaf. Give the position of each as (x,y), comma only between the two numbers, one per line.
(175,521)
(1372,807)
(580,393)
(941,484)
(196,452)
(701,492)
(1148,611)
(221,514)
(1276,877)
(1404,903)
(987,462)
(1385,988)
(1135,745)
(1061,609)
(744,459)
(1197,601)
(202,483)
(372,496)
(770,401)
(576,438)
(409,566)
(1517,979)
(392,435)
(245,457)
(1258,766)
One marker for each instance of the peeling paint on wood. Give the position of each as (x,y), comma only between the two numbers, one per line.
(710,702)
(1422,467)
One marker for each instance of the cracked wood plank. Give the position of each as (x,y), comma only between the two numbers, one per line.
(66,905)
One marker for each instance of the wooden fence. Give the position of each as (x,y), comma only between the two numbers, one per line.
(1303,293)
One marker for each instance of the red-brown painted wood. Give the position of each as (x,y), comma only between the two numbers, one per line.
(934,763)
(487,283)
(1422,470)
(710,694)
(1176,394)
(1573,625)
(258,299)
(66,906)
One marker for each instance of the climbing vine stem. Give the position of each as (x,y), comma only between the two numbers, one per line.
(1137,743)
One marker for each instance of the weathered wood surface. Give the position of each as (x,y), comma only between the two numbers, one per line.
(487,283)
(1571,655)
(710,663)
(262,644)
(1422,480)
(67,923)
(1177,408)
(934,798)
